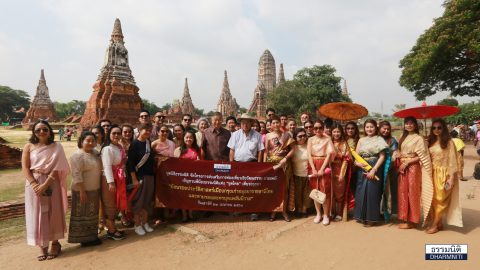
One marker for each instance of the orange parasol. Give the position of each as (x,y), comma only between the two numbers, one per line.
(343,111)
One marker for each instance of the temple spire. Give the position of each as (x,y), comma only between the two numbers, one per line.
(345,89)
(186,90)
(281,75)
(117,34)
(42,75)
(225,81)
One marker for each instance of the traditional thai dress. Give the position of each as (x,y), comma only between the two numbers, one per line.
(368,193)
(45,214)
(86,169)
(321,146)
(389,200)
(415,184)
(340,179)
(163,151)
(444,163)
(300,174)
(278,147)
(114,159)
(352,171)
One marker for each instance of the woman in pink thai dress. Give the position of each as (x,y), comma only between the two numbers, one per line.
(45,168)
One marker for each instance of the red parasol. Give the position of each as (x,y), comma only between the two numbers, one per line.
(427,111)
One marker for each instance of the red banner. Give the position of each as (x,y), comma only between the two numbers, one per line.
(219,186)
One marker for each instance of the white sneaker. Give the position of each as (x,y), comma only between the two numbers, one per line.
(325,221)
(147,227)
(139,230)
(317,219)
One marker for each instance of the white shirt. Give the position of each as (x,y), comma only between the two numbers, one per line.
(111,156)
(246,147)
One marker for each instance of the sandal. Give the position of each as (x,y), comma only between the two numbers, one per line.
(43,256)
(54,251)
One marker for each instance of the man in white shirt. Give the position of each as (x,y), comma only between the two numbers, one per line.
(246,144)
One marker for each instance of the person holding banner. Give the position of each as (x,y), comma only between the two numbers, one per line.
(278,150)
(320,151)
(178,132)
(114,190)
(300,173)
(216,139)
(140,165)
(369,190)
(246,145)
(340,178)
(188,150)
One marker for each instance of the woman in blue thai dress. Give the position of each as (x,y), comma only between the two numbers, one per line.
(369,189)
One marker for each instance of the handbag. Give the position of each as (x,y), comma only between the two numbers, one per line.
(318,195)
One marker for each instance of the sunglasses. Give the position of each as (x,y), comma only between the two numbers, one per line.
(270,114)
(160,116)
(317,128)
(436,127)
(163,131)
(144,116)
(38,130)
(116,133)
(187,120)
(308,126)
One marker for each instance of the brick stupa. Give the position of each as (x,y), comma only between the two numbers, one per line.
(41,106)
(265,84)
(115,94)
(227,105)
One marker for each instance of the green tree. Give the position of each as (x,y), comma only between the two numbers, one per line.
(309,89)
(150,106)
(199,112)
(13,103)
(448,101)
(63,110)
(446,57)
(469,112)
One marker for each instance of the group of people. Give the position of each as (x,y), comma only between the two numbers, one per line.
(113,172)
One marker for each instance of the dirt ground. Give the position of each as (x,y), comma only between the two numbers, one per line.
(229,242)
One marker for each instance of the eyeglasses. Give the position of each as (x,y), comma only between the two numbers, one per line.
(308,126)
(116,133)
(143,115)
(187,119)
(436,127)
(317,128)
(163,131)
(38,130)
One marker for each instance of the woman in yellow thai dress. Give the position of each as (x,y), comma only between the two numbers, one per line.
(279,150)
(415,189)
(445,181)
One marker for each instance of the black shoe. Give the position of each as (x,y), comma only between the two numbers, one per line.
(117,235)
(95,242)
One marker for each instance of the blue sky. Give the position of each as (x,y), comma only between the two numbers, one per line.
(170,40)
